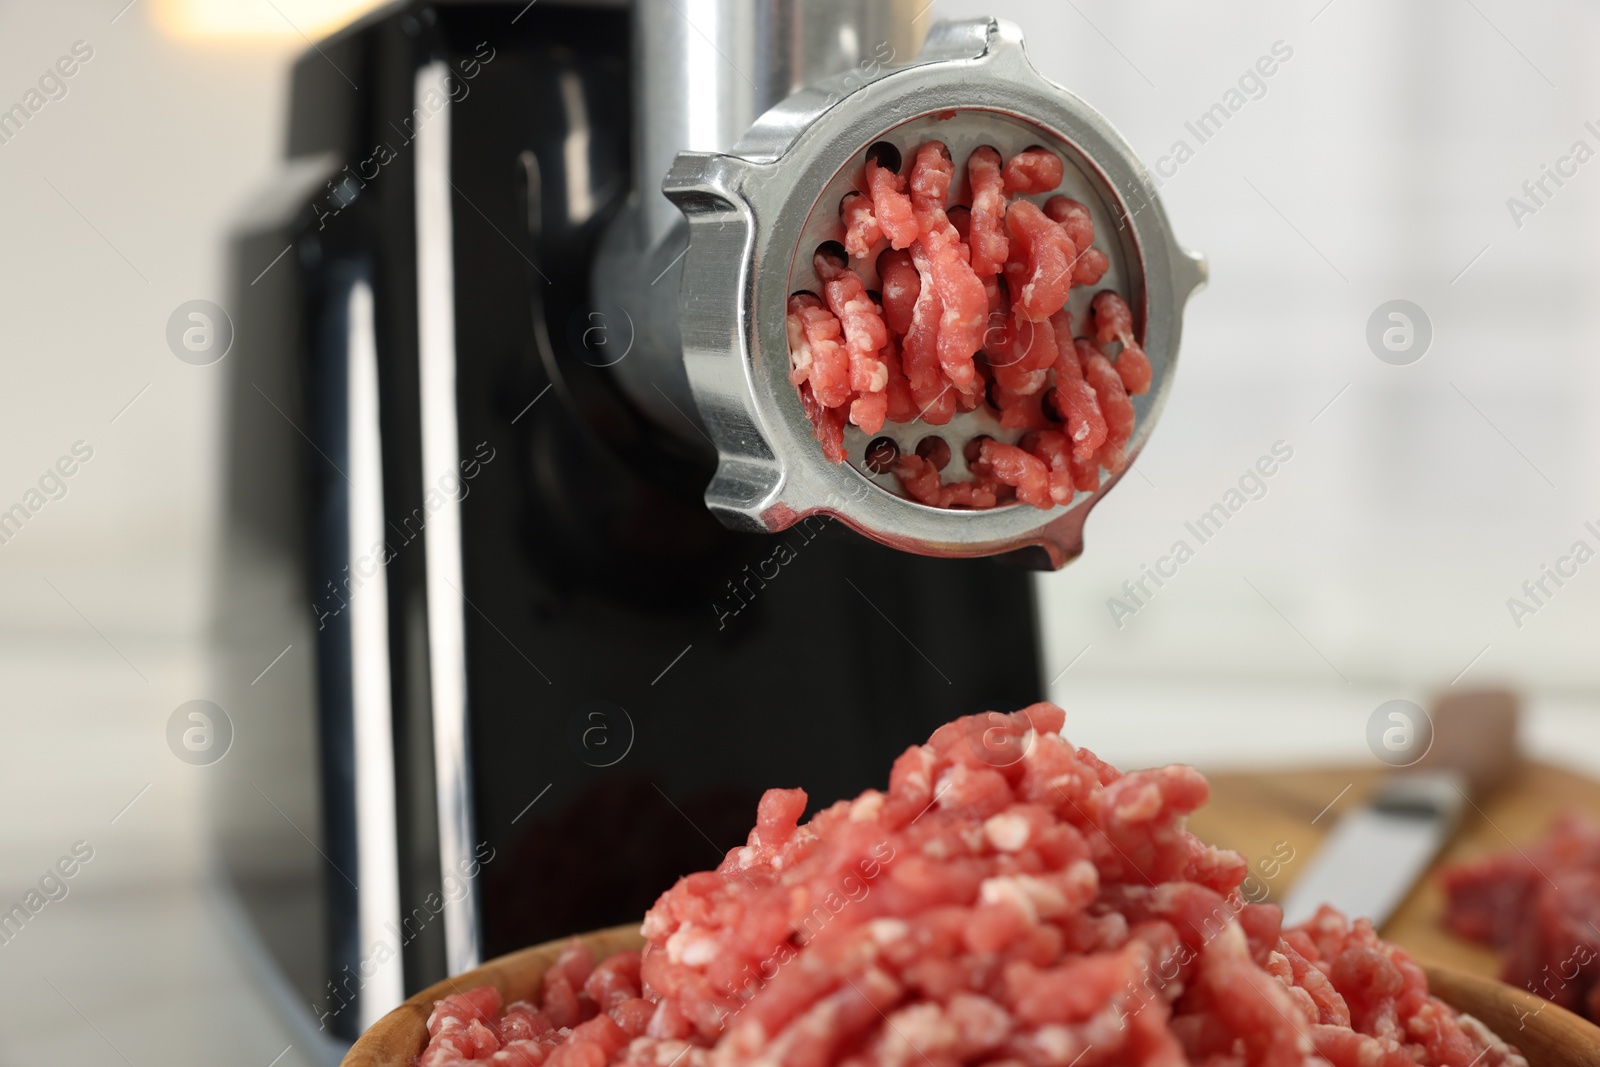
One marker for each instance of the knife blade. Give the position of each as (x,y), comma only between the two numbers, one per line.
(1374,855)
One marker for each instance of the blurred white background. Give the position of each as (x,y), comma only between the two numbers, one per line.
(1376,165)
(117,198)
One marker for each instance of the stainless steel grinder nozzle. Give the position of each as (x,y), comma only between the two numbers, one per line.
(758,212)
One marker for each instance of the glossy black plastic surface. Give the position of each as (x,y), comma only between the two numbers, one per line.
(637,674)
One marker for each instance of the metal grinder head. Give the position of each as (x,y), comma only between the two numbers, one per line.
(757,215)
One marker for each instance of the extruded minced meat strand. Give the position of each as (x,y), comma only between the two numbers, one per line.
(1113,321)
(934,395)
(1074,398)
(997,334)
(800,357)
(1041,346)
(1053,448)
(1072,217)
(1034,170)
(1018,411)
(1086,473)
(975,393)
(827,422)
(1112,457)
(1114,404)
(861,319)
(870,410)
(900,285)
(1010,465)
(990,245)
(965,306)
(864,334)
(821,361)
(1020,354)
(891,207)
(1007,899)
(922,481)
(861,231)
(1043,253)
(998,295)
(1091,264)
(901,405)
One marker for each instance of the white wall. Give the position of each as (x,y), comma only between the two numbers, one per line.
(1423,498)
(1382,557)
(151,154)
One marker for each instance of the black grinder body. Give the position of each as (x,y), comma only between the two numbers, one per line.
(635,675)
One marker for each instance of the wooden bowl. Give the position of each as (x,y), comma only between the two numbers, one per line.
(1547,1035)
(394,1039)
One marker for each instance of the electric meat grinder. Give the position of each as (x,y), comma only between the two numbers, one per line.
(515,470)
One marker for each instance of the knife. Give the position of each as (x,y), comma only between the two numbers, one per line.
(1375,854)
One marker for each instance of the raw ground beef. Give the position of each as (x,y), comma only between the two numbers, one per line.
(1010,900)
(1541,905)
(972,310)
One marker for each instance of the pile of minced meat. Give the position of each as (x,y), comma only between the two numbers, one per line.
(1009,900)
(1541,906)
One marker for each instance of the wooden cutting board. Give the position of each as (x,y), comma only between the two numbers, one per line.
(1265,816)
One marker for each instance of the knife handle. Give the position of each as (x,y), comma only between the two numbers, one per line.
(1438,796)
(1475,737)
